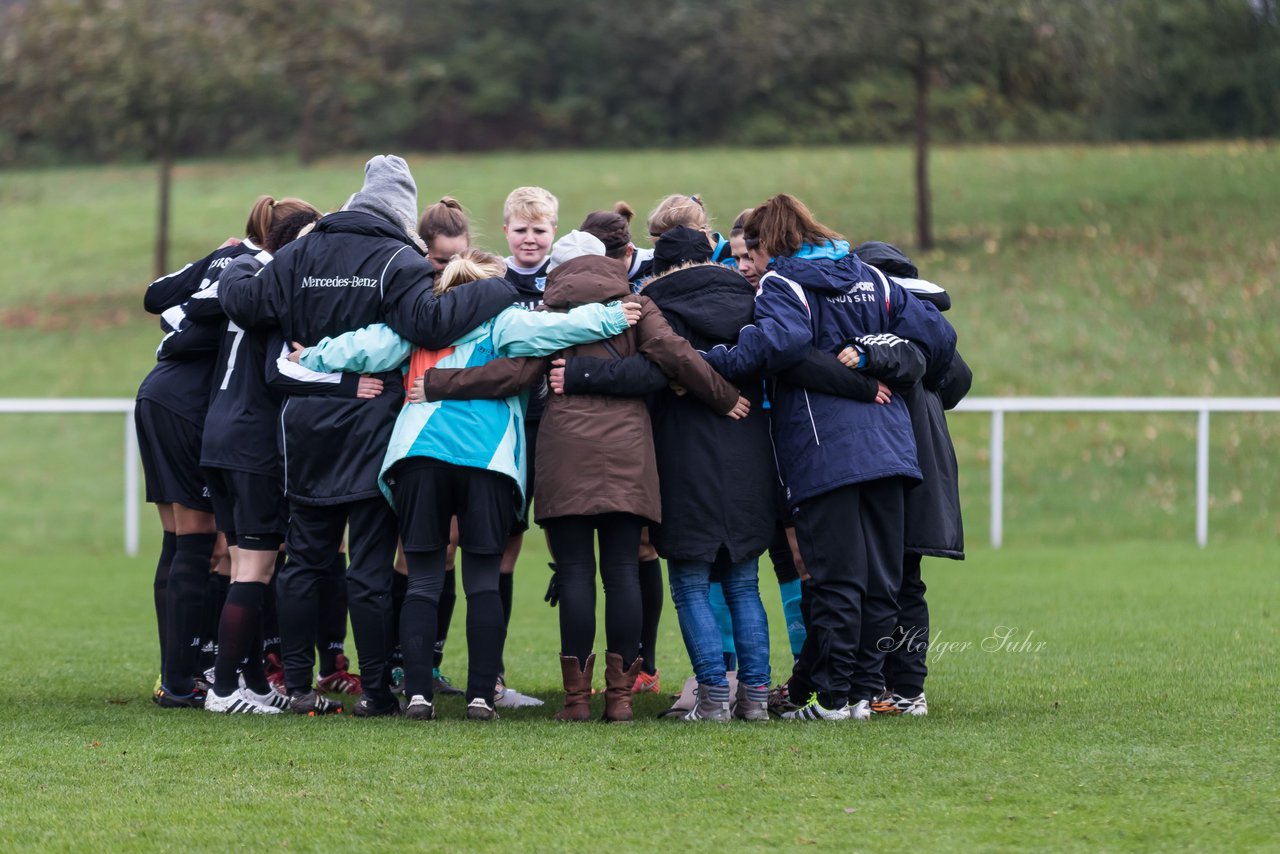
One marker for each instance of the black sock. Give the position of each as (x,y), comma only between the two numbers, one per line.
(448,599)
(215,595)
(270,616)
(486,624)
(506,588)
(237,630)
(399,588)
(188,579)
(331,632)
(418,619)
(159,586)
(651,596)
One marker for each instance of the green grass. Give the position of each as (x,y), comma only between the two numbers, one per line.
(1145,720)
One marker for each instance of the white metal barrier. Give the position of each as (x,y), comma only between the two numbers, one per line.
(997,406)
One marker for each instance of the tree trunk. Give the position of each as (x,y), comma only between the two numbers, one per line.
(924,206)
(164,152)
(307,127)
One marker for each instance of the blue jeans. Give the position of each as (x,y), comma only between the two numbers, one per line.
(689,584)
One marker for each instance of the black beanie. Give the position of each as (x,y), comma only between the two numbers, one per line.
(680,245)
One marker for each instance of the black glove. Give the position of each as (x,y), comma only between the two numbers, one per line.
(553,588)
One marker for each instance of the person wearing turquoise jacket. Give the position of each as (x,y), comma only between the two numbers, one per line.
(460,457)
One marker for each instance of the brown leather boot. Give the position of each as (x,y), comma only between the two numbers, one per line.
(618,682)
(577,688)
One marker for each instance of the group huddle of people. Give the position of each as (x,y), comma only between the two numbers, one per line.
(363,406)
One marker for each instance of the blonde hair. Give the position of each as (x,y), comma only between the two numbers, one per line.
(533,204)
(677,210)
(267,212)
(470,265)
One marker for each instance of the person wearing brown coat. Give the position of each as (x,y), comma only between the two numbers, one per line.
(598,478)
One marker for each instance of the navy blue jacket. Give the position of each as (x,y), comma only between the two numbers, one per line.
(822,441)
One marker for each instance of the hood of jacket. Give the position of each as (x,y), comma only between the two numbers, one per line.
(586,279)
(889,258)
(678,246)
(834,276)
(705,298)
(389,192)
(364,224)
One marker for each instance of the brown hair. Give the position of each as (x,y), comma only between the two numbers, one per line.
(445,218)
(782,224)
(290,228)
(739,222)
(266,212)
(470,265)
(612,227)
(677,210)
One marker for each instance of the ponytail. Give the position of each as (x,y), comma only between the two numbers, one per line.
(613,228)
(445,218)
(267,213)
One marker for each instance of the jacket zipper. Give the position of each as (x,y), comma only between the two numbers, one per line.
(812,423)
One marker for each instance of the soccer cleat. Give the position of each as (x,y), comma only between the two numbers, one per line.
(208,676)
(479,710)
(272,699)
(274,667)
(155,689)
(510,698)
(814,711)
(442,685)
(397,680)
(859,711)
(313,704)
(369,707)
(340,681)
(166,699)
(780,701)
(420,709)
(890,703)
(236,704)
(646,684)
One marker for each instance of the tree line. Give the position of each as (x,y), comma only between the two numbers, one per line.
(91,80)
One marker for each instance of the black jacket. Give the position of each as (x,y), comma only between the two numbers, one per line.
(185,358)
(354,270)
(717,477)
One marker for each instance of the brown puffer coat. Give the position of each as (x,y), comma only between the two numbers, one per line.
(595,452)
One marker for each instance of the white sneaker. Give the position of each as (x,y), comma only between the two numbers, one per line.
(235,704)
(510,698)
(420,709)
(272,699)
(814,711)
(859,711)
(890,703)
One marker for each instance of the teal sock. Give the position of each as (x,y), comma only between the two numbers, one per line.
(790,592)
(720,608)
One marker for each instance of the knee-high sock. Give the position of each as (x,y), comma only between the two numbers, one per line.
(215,596)
(719,607)
(238,630)
(651,596)
(448,599)
(506,589)
(188,580)
(790,592)
(160,586)
(331,631)
(399,589)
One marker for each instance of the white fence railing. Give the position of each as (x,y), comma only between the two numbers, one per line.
(997,406)
(1202,406)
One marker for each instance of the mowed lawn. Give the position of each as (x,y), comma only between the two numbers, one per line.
(1108,697)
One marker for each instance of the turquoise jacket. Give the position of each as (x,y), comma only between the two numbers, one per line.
(486,434)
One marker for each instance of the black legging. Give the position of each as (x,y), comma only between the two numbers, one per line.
(572,540)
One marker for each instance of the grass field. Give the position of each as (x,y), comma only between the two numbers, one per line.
(1132,708)
(1145,721)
